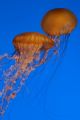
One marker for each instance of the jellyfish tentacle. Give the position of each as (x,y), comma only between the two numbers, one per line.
(6,93)
(14,67)
(23,77)
(7,57)
(64,44)
(6,75)
(3,56)
(7,86)
(58,58)
(11,82)
(42,59)
(13,92)
(10,71)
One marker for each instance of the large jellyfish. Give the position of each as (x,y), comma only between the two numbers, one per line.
(31,50)
(58,24)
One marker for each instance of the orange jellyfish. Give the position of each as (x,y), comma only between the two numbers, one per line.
(58,24)
(31,50)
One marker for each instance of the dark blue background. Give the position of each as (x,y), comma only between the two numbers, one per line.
(61,99)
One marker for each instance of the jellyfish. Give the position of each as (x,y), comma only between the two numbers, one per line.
(31,50)
(58,24)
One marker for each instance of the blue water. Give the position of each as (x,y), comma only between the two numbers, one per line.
(60,98)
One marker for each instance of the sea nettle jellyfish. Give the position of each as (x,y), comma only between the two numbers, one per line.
(31,50)
(58,24)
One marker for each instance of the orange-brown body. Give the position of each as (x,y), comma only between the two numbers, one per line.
(58,21)
(30,40)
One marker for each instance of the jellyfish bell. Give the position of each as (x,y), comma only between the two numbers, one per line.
(29,47)
(58,21)
(30,43)
(27,40)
